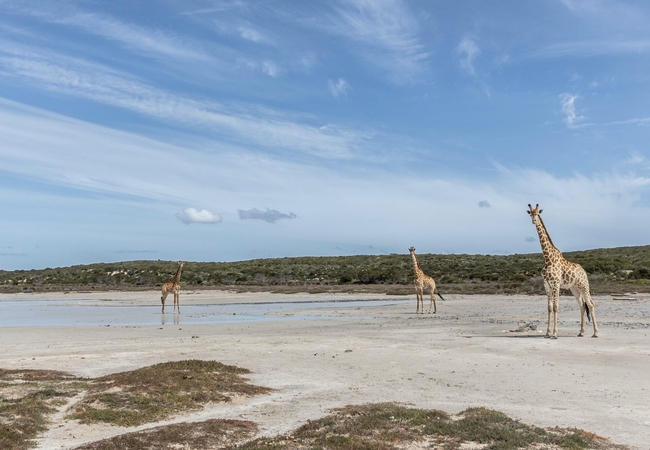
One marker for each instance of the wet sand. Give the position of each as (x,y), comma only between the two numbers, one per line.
(333,355)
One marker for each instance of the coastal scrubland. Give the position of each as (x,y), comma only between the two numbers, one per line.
(611,270)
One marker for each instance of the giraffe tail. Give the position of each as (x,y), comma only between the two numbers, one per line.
(441,297)
(588,313)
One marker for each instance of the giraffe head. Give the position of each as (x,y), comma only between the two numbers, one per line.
(180,263)
(534,213)
(412,250)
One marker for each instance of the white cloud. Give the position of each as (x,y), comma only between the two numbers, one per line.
(49,149)
(191,215)
(223,6)
(270,68)
(270,215)
(250,34)
(589,48)
(640,121)
(484,204)
(388,32)
(591,6)
(256,126)
(152,42)
(341,87)
(467,51)
(569,109)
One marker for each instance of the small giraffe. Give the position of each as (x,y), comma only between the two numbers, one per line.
(422,280)
(173,286)
(558,273)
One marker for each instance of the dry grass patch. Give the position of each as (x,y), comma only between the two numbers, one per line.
(387,426)
(211,434)
(27,397)
(155,392)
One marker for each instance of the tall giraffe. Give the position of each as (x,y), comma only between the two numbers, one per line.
(422,280)
(558,273)
(173,286)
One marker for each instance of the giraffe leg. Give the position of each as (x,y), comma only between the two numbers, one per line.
(556,307)
(581,302)
(550,310)
(433,300)
(162,300)
(178,301)
(175,300)
(592,309)
(420,298)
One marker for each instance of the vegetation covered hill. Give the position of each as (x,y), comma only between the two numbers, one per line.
(610,270)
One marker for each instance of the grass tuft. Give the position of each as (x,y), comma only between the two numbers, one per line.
(213,433)
(28,397)
(387,426)
(159,391)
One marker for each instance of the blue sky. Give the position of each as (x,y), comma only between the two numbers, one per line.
(230,130)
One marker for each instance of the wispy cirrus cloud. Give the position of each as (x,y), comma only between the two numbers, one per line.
(257,126)
(569,109)
(148,41)
(192,215)
(221,7)
(606,13)
(152,42)
(388,34)
(270,215)
(62,152)
(250,34)
(270,68)
(467,51)
(640,121)
(591,48)
(590,6)
(338,88)
(616,28)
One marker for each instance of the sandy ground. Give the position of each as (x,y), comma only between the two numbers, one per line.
(463,356)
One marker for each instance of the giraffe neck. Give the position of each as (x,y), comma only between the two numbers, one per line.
(548,248)
(177,277)
(416,268)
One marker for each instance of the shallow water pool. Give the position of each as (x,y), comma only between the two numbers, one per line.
(62,313)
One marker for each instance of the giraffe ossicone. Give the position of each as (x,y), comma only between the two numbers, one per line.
(558,273)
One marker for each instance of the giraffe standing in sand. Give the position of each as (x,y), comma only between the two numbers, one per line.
(422,280)
(174,287)
(558,273)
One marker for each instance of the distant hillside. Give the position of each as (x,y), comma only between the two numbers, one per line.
(610,270)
